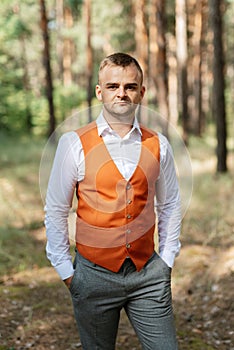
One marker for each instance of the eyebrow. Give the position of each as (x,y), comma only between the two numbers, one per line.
(116,84)
(111,84)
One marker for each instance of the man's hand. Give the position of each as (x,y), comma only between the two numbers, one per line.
(67,281)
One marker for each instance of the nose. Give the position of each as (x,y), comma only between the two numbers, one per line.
(121,92)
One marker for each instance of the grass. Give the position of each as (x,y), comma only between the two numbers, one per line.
(193,342)
(19,251)
(209,220)
(21,205)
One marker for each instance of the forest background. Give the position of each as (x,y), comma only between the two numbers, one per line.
(49,56)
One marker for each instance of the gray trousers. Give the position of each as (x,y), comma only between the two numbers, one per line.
(98,295)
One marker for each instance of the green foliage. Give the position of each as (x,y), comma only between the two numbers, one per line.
(23,105)
(68,99)
(114,26)
(14,96)
(75,5)
(16,28)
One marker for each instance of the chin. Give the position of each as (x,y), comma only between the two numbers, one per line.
(124,108)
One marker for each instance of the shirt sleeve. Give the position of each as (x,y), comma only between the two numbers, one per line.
(168,205)
(60,192)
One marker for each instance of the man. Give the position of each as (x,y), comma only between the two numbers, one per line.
(117,168)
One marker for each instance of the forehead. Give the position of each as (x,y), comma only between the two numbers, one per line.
(114,73)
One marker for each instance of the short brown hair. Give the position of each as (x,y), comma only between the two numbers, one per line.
(120,59)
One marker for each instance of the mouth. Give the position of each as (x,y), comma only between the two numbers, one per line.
(122,103)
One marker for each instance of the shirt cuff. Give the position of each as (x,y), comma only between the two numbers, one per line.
(168,257)
(65,270)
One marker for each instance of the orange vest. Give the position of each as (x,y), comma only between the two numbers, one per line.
(116,217)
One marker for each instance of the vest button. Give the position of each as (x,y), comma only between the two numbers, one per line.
(128,186)
(128,231)
(128,216)
(129,201)
(128,245)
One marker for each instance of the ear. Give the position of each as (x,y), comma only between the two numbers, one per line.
(142,91)
(99,92)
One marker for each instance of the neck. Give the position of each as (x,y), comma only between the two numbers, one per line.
(121,125)
(120,128)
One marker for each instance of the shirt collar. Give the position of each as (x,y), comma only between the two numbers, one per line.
(102,125)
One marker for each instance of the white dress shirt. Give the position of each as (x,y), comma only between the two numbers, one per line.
(69,169)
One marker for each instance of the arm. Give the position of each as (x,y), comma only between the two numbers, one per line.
(62,182)
(168,205)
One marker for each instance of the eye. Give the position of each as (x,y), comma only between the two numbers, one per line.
(131,87)
(112,87)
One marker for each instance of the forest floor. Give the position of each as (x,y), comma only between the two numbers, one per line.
(36,311)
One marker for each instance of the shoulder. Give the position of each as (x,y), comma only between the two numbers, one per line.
(165,147)
(163,140)
(69,140)
(68,137)
(147,132)
(86,128)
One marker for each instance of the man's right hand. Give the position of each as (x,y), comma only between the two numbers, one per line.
(67,281)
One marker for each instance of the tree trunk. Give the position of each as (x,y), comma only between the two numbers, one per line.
(158,61)
(141,39)
(46,62)
(68,48)
(89,55)
(141,35)
(29,123)
(203,53)
(59,42)
(218,101)
(195,98)
(182,60)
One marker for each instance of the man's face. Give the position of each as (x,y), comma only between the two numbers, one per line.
(120,90)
